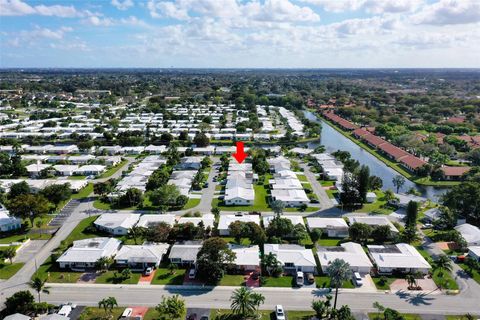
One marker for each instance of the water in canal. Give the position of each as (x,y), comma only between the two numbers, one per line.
(334,140)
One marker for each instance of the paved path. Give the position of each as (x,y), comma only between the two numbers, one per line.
(323,198)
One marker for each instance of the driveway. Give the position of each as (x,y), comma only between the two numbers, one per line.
(147,279)
(197,313)
(29,251)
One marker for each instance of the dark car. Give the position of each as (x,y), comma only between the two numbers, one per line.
(310,278)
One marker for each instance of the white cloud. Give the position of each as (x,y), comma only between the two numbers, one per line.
(20,8)
(30,37)
(372,6)
(122,5)
(447,12)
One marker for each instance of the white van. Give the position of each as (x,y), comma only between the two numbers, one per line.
(126,313)
(192,273)
(300,279)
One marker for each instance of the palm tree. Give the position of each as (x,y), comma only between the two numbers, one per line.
(411,280)
(322,308)
(338,271)
(257,299)
(104,263)
(443,263)
(38,285)
(9,254)
(172,267)
(171,307)
(136,232)
(108,304)
(270,263)
(242,302)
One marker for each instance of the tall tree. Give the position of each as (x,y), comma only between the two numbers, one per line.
(411,214)
(108,304)
(442,263)
(38,285)
(213,258)
(29,206)
(338,271)
(398,181)
(57,193)
(171,308)
(363,182)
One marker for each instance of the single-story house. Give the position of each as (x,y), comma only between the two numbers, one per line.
(148,220)
(292,257)
(7,222)
(470,233)
(350,252)
(474,253)
(90,170)
(227,219)
(239,196)
(82,159)
(371,197)
(432,214)
(247,258)
(373,221)
(65,169)
(190,163)
(333,227)
(207,219)
(290,197)
(142,256)
(85,253)
(185,252)
(401,257)
(116,223)
(34,169)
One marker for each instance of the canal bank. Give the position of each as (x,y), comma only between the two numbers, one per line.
(333,140)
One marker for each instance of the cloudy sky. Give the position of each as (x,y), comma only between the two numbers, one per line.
(240,33)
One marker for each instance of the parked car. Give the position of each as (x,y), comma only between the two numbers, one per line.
(192,273)
(65,310)
(279,313)
(300,278)
(357,279)
(148,271)
(255,275)
(427,226)
(310,278)
(205,185)
(127,313)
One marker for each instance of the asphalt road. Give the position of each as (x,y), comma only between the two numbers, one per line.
(291,299)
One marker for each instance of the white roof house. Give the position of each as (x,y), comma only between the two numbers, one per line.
(373,221)
(350,252)
(90,169)
(184,252)
(470,233)
(141,256)
(294,219)
(400,257)
(208,220)
(290,197)
(474,252)
(65,169)
(17,316)
(239,196)
(227,219)
(84,253)
(7,222)
(432,214)
(35,168)
(334,227)
(148,220)
(117,223)
(246,257)
(287,183)
(292,257)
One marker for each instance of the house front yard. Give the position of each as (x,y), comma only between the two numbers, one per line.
(164,276)
(232,280)
(52,273)
(324,282)
(109,277)
(8,270)
(284,281)
(475,274)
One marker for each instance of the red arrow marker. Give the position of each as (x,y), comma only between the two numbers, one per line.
(240,155)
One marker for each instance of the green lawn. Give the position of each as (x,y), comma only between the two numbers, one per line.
(383,285)
(302,177)
(475,273)
(376,205)
(76,178)
(7,270)
(406,316)
(109,277)
(325,183)
(243,241)
(192,203)
(330,242)
(285,281)
(52,273)
(445,281)
(331,193)
(110,172)
(151,314)
(163,276)
(232,280)
(13,238)
(94,313)
(324,282)
(85,192)
(79,232)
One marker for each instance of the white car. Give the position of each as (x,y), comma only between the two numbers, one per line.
(148,271)
(279,313)
(300,279)
(358,279)
(65,310)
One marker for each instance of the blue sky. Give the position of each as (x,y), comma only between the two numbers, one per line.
(240,33)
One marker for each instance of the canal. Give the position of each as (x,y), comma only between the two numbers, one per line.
(333,140)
